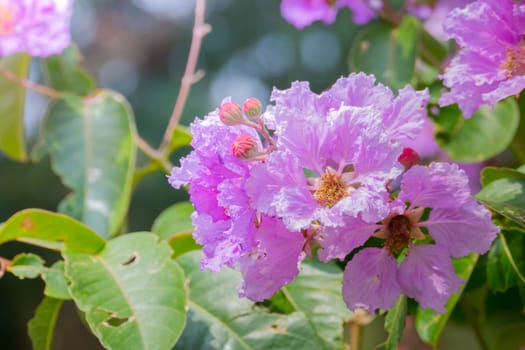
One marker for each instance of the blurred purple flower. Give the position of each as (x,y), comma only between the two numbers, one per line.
(302,13)
(490,65)
(37,27)
(456,223)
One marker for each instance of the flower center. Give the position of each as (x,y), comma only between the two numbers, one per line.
(399,229)
(331,190)
(515,61)
(7,18)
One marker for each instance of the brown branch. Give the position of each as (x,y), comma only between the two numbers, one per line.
(200,29)
(41,89)
(153,154)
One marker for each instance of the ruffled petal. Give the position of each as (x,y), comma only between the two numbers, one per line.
(370,280)
(428,276)
(463,230)
(274,262)
(440,185)
(338,242)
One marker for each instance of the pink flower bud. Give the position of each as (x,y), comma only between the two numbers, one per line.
(230,113)
(408,158)
(252,107)
(244,147)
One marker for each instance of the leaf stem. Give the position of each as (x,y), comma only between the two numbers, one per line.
(474,322)
(155,155)
(200,29)
(4,265)
(41,89)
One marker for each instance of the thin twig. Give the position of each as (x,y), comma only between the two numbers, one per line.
(41,89)
(4,264)
(152,153)
(200,29)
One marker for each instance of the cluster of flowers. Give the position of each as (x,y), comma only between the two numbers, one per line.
(37,27)
(326,175)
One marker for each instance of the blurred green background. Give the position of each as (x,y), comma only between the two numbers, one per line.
(139,48)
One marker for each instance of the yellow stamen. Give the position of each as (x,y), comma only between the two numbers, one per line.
(514,64)
(331,189)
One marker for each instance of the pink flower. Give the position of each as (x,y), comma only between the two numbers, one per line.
(490,65)
(38,27)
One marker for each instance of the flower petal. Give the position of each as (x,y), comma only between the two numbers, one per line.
(370,280)
(428,276)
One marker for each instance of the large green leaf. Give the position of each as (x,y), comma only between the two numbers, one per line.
(219,319)
(387,52)
(506,197)
(64,73)
(506,264)
(132,293)
(394,324)
(42,325)
(12,99)
(52,230)
(316,292)
(430,324)
(56,283)
(486,134)
(174,226)
(91,145)
(491,174)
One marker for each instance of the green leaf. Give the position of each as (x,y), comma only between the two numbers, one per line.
(394,324)
(56,283)
(219,319)
(429,324)
(174,226)
(431,50)
(387,52)
(506,197)
(491,174)
(506,264)
(26,266)
(132,293)
(50,229)
(12,99)
(64,73)
(42,325)
(486,134)
(181,137)
(316,292)
(91,145)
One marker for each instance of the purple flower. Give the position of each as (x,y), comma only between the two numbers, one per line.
(274,262)
(38,27)
(490,65)
(302,13)
(457,225)
(335,151)
(228,227)
(223,218)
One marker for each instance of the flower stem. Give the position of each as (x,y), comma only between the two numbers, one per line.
(200,29)
(4,264)
(355,335)
(153,154)
(41,89)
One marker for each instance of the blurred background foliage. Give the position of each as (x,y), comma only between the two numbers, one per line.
(139,48)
